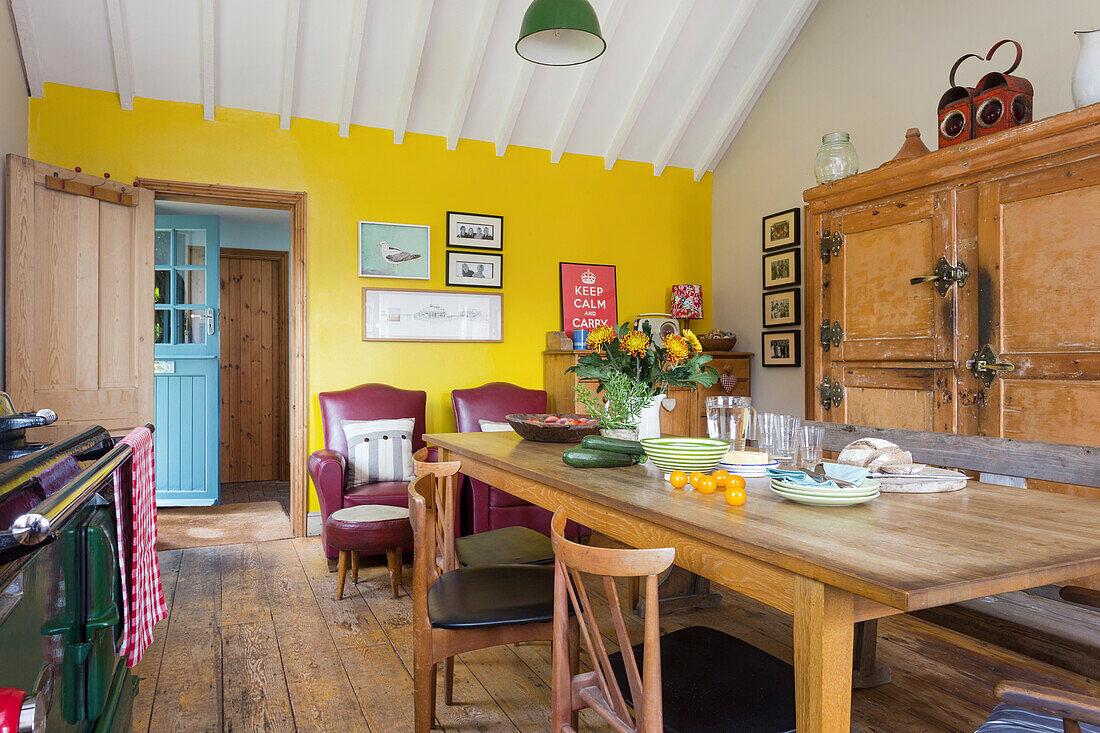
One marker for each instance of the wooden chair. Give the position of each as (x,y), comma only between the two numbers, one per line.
(694,679)
(1028,708)
(460,609)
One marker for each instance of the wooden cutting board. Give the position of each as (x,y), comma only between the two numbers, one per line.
(929,481)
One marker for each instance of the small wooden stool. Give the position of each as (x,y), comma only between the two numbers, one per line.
(371,529)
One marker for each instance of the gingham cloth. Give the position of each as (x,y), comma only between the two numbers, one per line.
(142,595)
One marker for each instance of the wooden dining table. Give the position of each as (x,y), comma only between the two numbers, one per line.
(829,567)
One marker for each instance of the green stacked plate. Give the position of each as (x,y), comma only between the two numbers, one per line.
(685,454)
(827,496)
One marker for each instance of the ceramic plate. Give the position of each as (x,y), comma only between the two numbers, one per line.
(824,500)
(869,486)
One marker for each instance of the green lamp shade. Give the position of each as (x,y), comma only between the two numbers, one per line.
(560,33)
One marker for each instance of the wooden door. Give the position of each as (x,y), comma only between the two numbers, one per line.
(1039,307)
(254,409)
(910,398)
(79,292)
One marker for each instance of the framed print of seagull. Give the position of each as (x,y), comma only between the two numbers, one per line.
(394,250)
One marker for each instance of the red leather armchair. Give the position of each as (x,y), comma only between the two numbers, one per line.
(326,467)
(491,507)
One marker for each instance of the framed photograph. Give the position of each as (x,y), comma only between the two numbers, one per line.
(782,269)
(394,250)
(781,349)
(474,269)
(782,308)
(475,231)
(587,296)
(781,230)
(430,315)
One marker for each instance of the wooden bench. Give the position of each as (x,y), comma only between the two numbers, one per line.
(1038,622)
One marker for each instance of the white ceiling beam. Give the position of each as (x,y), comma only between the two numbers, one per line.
(290,62)
(120,48)
(28,46)
(742,104)
(209,35)
(412,69)
(584,84)
(676,21)
(473,69)
(730,36)
(351,66)
(515,104)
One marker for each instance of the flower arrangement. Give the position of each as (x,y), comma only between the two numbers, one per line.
(625,401)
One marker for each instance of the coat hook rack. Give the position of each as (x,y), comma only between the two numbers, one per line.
(97,190)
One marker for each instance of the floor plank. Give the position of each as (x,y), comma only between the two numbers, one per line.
(255,694)
(148,669)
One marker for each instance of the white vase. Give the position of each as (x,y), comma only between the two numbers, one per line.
(620,433)
(1086,74)
(649,426)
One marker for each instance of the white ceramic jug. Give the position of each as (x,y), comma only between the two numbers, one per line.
(649,426)
(1086,74)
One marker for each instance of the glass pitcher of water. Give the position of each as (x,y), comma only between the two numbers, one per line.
(731,418)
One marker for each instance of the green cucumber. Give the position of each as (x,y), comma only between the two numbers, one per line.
(615,445)
(589,458)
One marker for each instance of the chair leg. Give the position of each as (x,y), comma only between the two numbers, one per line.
(435,679)
(342,569)
(355,567)
(393,559)
(423,695)
(574,663)
(449,681)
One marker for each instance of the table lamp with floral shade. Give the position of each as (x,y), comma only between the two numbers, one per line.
(687,302)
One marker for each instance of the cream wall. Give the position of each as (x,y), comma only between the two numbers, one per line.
(13,130)
(873,68)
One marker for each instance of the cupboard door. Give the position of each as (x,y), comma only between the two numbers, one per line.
(1039,305)
(884,317)
(905,398)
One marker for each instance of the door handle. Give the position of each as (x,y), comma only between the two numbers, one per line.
(944,276)
(985,366)
(210,321)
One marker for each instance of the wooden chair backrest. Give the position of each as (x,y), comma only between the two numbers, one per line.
(444,503)
(570,560)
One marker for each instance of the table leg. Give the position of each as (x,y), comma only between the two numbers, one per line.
(867,672)
(823,625)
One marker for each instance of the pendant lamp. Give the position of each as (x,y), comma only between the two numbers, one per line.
(560,33)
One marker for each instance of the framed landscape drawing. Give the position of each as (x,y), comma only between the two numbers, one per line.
(474,269)
(430,315)
(394,250)
(782,308)
(781,230)
(475,231)
(782,268)
(781,349)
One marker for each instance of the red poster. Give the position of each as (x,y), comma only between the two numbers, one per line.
(587,296)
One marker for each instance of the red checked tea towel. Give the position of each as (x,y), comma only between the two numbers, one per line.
(136,509)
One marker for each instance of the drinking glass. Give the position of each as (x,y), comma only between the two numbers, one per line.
(765,432)
(810,440)
(785,439)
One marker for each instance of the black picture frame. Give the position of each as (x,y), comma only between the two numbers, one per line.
(794,339)
(796,308)
(795,278)
(767,230)
(496,259)
(456,219)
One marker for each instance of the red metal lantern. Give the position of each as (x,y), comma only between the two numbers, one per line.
(956,110)
(1002,101)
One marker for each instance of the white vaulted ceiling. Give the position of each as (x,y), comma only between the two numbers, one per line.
(677,80)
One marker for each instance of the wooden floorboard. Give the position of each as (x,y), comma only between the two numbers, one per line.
(256,641)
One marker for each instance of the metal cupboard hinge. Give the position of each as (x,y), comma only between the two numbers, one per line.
(832,393)
(944,276)
(830,244)
(830,335)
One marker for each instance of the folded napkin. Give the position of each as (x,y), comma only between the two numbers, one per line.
(855,474)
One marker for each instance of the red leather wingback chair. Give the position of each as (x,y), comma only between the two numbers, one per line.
(493,508)
(326,467)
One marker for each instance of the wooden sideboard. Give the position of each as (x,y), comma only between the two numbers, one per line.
(1020,210)
(685,410)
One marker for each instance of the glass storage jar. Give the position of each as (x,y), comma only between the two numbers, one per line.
(836,158)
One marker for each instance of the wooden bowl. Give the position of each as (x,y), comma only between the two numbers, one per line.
(552,433)
(717,344)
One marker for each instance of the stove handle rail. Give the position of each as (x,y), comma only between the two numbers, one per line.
(35,529)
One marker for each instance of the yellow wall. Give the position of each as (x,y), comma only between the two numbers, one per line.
(655,229)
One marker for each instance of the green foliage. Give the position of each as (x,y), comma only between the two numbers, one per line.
(626,399)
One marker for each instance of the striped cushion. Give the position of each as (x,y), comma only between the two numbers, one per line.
(1010,719)
(379,450)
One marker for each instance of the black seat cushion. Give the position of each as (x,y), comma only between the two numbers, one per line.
(492,595)
(507,545)
(712,682)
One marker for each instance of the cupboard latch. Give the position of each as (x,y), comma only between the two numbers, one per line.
(832,393)
(830,244)
(984,365)
(944,276)
(830,335)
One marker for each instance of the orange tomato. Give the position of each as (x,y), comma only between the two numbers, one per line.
(678,479)
(735,495)
(707,485)
(721,477)
(736,482)
(694,478)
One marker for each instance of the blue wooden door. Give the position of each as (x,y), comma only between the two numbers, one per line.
(186,367)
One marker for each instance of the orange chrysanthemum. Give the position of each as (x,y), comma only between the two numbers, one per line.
(634,342)
(693,341)
(599,336)
(678,348)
